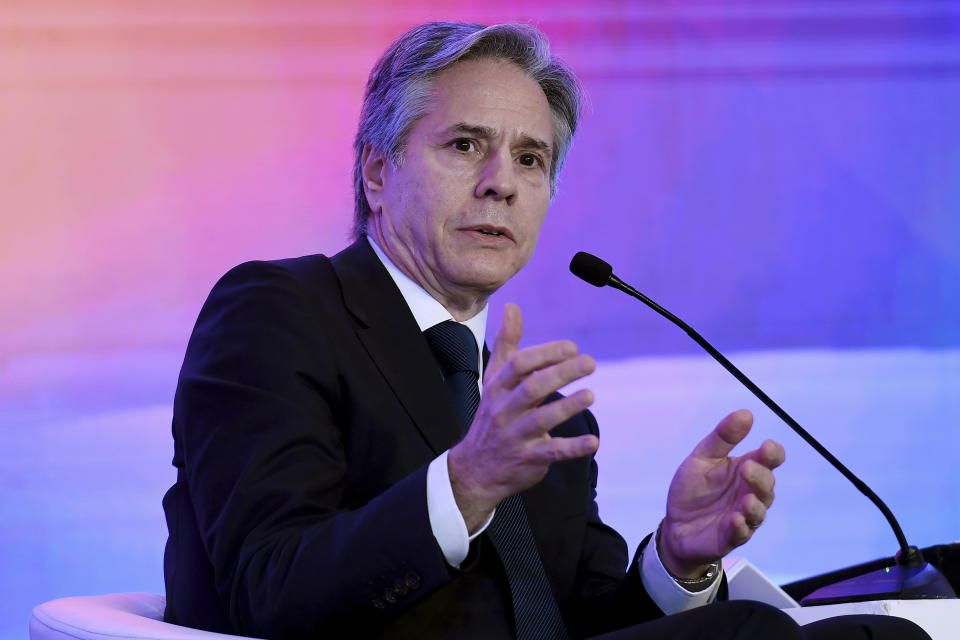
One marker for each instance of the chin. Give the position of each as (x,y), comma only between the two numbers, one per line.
(484,272)
(485,281)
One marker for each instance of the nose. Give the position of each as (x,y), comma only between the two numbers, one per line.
(498,178)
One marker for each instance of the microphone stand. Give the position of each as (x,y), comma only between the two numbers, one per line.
(910,577)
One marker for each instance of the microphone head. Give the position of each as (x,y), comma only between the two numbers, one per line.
(591,269)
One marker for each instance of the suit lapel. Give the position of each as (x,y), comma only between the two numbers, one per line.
(390,334)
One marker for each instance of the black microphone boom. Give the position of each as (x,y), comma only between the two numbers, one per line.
(919,580)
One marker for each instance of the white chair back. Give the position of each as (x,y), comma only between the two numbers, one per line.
(118,616)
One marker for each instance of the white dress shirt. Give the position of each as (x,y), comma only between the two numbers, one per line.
(447,522)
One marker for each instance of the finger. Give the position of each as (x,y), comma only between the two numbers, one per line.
(726,435)
(535,388)
(559,449)
(532,359)
(544,418)
(736,529)
(759,479)
(771,454)
(754,512)
(507,340)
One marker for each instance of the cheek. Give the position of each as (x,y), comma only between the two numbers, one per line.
(541,216)
(413,202)
(538,214)
(438,207)
(538,198)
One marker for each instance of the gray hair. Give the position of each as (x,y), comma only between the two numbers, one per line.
(399,85)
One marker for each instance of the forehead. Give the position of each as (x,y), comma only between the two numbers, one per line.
(491,93)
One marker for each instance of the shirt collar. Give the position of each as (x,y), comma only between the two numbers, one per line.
(426,310)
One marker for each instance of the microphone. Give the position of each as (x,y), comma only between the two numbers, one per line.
(590,268)
(911,577)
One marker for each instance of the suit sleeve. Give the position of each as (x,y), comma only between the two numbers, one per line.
(260,445)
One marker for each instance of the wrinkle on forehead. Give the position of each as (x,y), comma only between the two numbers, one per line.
(485,99)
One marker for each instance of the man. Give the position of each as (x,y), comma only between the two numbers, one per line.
(338,469)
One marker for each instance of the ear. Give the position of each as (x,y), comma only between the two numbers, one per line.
(373,167)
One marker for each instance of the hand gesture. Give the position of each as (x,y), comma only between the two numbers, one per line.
(508,447)
(716,502)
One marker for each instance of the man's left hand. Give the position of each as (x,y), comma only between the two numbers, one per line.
(716,502)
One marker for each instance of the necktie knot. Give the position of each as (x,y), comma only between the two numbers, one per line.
(454,346)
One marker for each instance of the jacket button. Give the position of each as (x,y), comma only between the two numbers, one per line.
(412,580)
(378,602)
(400,587)
(390,596)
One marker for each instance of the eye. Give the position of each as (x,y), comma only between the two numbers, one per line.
(530,160)
(463,145)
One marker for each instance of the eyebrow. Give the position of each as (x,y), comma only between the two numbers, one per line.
(484,132)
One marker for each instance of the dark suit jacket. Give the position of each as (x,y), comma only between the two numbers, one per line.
(308,408)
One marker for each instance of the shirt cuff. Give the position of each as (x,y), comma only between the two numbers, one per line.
(664,590)
(446,521)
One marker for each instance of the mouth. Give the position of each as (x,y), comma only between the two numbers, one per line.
(491,231)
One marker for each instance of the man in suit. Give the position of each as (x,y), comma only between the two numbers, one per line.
(335,472)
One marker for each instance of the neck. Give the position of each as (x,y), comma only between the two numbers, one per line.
(461,304)
(463,312)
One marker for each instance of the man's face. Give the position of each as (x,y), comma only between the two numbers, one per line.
(462,212)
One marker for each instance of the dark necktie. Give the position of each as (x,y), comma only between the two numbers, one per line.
(535,609)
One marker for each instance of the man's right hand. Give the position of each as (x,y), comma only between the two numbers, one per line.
(508,447)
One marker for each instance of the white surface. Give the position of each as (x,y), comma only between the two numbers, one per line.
(939,618)
(746,582)
(118,616)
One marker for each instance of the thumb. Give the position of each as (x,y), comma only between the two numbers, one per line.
(727,434)
(507,340)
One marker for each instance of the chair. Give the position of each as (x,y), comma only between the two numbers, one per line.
(118,616)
